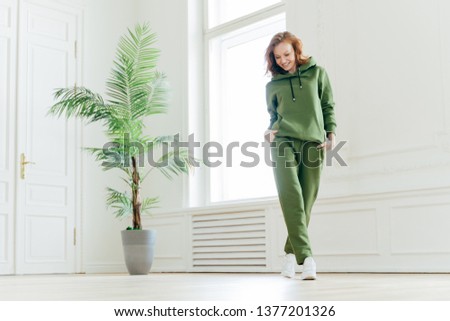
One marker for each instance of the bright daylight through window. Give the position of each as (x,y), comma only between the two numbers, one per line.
(236,100)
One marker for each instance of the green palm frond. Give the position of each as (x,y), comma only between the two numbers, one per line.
(133,70)
(149,203)
(134,87)
(80,102)
(174,164)
(157,102)
(110,157)
(119,202)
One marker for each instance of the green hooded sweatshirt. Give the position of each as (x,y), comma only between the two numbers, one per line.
(301,104)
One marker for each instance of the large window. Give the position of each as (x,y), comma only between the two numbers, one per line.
(236,100)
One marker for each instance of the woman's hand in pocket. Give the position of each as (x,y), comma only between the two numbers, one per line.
(269,135)
(329,143)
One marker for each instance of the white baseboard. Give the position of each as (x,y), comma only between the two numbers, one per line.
(97,268)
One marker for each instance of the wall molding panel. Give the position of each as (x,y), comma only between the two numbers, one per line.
(359,233)
(171,247)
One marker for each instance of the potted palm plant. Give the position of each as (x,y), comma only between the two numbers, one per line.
(135,91)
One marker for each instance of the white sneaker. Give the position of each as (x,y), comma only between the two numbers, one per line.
(309,269)
(288,268)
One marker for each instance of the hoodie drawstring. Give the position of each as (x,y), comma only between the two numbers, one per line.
(292,90)
(299,82)
(299,79)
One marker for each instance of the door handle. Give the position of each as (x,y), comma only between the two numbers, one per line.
(23,162)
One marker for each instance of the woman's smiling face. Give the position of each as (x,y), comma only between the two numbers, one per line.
(285,56)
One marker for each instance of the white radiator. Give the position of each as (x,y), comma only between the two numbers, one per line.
(232,241)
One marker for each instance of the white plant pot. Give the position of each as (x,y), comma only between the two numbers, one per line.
(138,249)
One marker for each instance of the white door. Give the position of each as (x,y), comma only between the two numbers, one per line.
(45,190)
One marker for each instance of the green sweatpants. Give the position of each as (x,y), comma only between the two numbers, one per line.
(298,165)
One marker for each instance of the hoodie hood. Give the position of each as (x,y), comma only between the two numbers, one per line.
(302,68)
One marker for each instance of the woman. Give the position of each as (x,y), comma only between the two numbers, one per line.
(302,126)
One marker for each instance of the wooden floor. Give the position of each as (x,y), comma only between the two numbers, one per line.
(226,286)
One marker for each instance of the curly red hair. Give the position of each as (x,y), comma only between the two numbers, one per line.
(290,38)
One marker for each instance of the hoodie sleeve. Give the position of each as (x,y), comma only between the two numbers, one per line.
(327,102)
(271,106)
